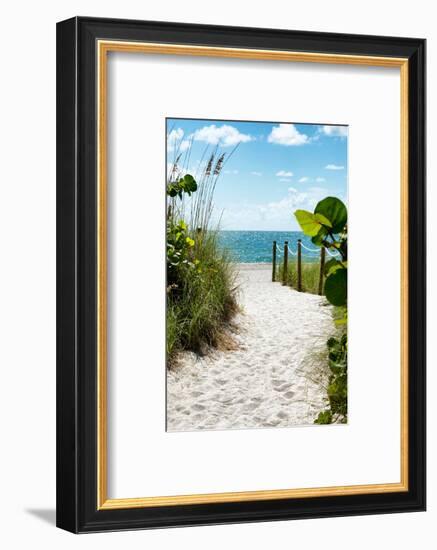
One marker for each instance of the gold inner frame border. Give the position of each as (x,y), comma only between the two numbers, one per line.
(103,48)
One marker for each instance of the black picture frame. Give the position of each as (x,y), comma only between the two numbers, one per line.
(77,281)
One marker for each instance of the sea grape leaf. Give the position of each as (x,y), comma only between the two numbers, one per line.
(323,220)
(335,211)
(332,265)
(336,287)
(308,222)
(319,238)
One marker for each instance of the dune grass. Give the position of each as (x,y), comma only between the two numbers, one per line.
(203,302)
(201,289)
(310,276)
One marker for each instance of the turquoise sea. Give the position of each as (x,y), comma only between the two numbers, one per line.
(256,246)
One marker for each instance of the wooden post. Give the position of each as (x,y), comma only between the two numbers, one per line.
(299,265)
(322,269)
(274,262)
(285,273)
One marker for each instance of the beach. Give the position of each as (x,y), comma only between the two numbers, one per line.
(275,374)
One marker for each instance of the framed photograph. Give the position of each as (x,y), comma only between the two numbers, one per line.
(241,274)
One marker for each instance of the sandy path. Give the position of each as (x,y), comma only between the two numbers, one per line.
(276,376)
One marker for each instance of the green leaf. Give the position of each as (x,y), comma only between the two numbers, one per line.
(324,221)
(188,183)
(335,211)
(340,322)
(332,265)
(319,238)
(308,222)
(336,287)
(332,342)
(191,182)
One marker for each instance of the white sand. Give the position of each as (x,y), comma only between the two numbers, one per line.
(277,375)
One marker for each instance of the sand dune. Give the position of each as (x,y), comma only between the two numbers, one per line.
(277,375)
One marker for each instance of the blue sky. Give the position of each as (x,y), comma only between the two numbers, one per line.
(276,168)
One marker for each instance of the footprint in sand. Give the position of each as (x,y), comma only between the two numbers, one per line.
(251,406)
(284,387)
(265,382)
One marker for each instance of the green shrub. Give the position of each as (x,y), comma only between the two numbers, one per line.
(202,301)
(327,226)
(337,387)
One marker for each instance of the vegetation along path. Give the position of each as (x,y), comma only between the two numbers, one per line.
(275,376)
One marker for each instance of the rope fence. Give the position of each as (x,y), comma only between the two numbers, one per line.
(334,254)
(309,249)
(298,254)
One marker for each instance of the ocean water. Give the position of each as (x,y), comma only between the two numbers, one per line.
(256,246)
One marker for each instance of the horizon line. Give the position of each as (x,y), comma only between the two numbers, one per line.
(265,230)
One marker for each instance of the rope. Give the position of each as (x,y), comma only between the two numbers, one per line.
(333,255)
(309,249)
(312,250)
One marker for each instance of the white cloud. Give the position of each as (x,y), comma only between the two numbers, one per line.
(175,141)
(334,131)
(320,180)
(275,215)
(285,180)
(284,208)
(334,167)
(224,135)
(175,134)
(256,174)
(284,174)
(304,179)
(287,134)
(231,172)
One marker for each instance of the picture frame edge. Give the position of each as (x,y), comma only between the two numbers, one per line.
(76,263)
